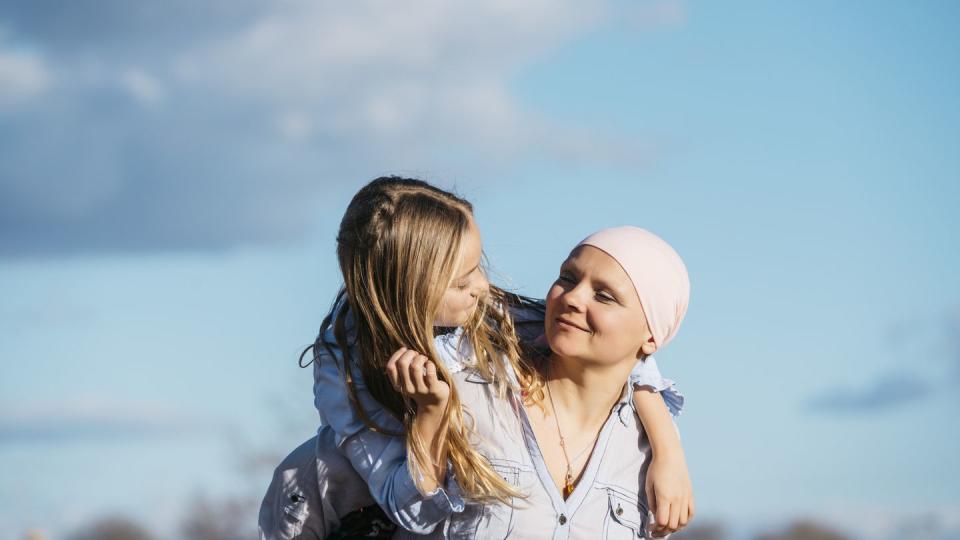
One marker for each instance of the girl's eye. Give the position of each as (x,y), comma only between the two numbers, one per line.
(564,278)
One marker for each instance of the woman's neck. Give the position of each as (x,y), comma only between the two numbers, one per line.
(585,393)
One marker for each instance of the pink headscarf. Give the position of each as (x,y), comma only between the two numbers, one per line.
(657,272)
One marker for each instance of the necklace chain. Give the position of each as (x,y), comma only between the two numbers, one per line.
(568,476)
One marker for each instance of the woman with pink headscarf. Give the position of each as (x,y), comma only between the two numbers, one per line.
(620,296)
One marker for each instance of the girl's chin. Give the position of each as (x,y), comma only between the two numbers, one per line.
(455,319)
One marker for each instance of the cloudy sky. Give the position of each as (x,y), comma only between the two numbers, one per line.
(172,175)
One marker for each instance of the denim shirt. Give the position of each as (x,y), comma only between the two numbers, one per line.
(381,460)
(608,501)
(315,486)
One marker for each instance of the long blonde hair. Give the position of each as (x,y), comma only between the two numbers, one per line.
(398,244)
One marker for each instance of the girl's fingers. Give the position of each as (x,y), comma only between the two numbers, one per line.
(403,376)
(431,376)
(408,371)
(684,514)
(651,501)
(392,367)
(392,375)
(418,371)
(674,524)
(663,514)
(690,510)
(412,373)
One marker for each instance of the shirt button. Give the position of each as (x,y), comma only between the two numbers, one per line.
(619,510)
(563,519)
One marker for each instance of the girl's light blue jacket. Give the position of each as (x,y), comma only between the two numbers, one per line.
(381,460)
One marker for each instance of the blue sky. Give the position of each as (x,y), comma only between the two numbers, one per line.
(171,179)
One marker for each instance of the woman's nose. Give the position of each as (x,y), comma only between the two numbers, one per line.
(573,298)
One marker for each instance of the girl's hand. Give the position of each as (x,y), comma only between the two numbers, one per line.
(415,376)
(669,493)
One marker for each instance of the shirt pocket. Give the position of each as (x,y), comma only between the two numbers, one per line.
(625,516)
(493,520)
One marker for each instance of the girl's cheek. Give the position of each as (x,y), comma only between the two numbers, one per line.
(460,310)
(449,305)
(462,301)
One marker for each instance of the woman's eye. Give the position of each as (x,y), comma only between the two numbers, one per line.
(604,297)
(564,279)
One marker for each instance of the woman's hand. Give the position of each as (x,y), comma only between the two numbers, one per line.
(414,375)
(669,492)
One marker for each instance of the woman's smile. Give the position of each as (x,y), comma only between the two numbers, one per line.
(571,325)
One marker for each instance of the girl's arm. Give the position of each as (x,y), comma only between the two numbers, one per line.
(667,488)
(416,377)
(380,459)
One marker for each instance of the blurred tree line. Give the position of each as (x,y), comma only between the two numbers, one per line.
(800,530)
(207,520)
(232,521)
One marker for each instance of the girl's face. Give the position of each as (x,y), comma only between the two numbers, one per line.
(593,312)
(469,283)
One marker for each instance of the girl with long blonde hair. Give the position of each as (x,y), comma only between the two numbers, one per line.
(411,256)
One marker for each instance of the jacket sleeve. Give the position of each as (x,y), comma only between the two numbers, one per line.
(379,459)
(293,507)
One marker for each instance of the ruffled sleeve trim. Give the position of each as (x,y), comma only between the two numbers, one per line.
(646,374)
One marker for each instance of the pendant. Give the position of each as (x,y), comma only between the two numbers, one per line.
(567,484)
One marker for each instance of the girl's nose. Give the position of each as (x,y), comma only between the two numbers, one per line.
(481,287)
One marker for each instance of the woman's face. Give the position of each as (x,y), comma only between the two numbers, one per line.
(469,283)
(593,312)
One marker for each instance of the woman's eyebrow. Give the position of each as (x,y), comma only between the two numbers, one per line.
(606,285)
(601,283)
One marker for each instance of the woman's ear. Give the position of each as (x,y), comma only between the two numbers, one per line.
(648,348)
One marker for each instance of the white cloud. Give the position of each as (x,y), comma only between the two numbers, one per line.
(283,102)
(143,87)
(23,76)
(397,74)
